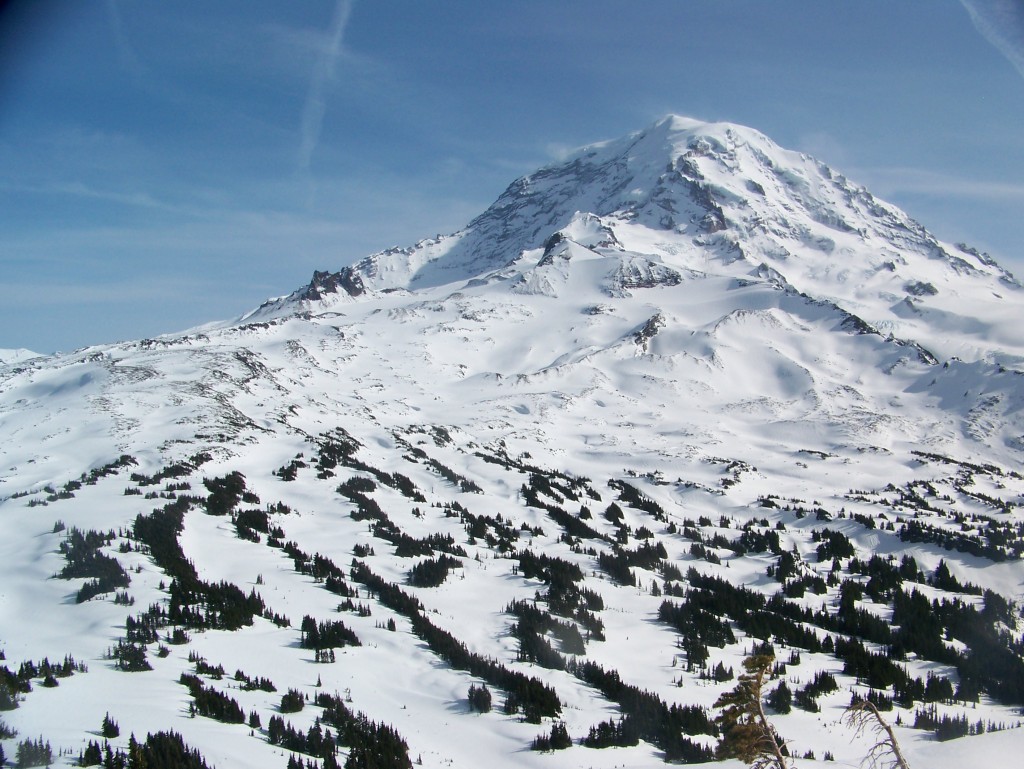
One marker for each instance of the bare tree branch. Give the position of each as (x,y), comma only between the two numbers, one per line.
(885,753)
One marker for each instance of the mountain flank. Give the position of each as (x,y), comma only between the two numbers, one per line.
(683,417)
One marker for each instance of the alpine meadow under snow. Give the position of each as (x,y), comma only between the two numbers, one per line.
(531,493)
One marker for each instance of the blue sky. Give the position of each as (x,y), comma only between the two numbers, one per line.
(167,164)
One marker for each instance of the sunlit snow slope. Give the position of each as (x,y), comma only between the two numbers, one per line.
(723,397)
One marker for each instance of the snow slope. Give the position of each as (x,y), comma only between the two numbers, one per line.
(760,348)
(724,199)
(8,357)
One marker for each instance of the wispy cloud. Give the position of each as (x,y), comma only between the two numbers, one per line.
(894,181)
(125,52)
(51,293)
(315,107)
(1001,22)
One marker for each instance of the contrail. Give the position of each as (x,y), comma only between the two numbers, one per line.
(124,51)
(1001,22)
(314,108)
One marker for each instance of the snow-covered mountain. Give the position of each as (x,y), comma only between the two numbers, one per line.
(682,394)
(14,356)
(692,197)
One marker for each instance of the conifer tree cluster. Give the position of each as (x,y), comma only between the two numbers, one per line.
(226,492)
(610,733)
(316,741)
(207,701)
(648,716)
(130,657)
(163,750)
(292,701)
(33,753)
(109,729)
(371,745)
(8,698)
(558,739)
(194,603)
(326,635)
(432,572)
(479,698)
(564,596)
(527,694)
(81,550)
(248,683)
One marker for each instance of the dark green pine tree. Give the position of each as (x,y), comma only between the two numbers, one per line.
(720,673)
(479,698)
(560,739)
(8,701)
(292,701)
(34,753)
(746,733)
(136,756)
(781,699)
(110,729)
(91,756)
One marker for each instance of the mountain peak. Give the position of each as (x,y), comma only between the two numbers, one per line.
(713,198)
(619,176)
(674,135)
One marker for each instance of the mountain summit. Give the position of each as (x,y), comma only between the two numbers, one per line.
(723,199)
(683,405)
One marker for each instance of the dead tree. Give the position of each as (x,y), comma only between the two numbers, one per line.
(885,753)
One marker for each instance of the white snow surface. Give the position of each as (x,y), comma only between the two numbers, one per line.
(690,309)
(8,357)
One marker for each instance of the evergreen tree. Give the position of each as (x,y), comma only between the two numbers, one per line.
(131,657)
(558,739)
(610,733)
(7,699)
(292,701)
(781,699)
(136,756)
(479,698)
(109,729)
(746,733)
(721,675)
(34,753)
(91,756)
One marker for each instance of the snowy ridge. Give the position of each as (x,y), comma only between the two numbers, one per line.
(686,366)
(725,199)
(8,357)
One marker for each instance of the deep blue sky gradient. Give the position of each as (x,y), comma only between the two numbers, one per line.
(167,164)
